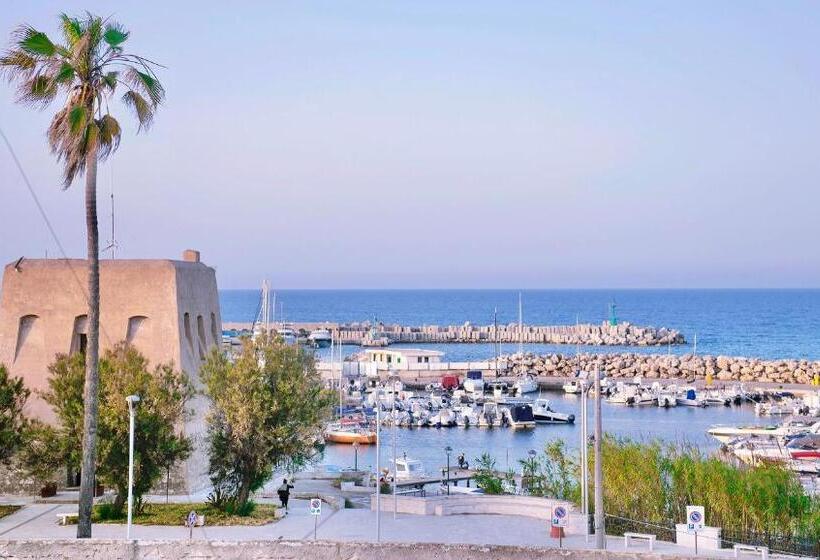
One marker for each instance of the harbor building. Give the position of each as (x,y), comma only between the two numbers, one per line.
(405,358)
(168,309)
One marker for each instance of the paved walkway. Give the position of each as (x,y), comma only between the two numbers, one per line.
(39,521)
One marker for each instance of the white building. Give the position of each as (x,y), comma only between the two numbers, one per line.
(405,358)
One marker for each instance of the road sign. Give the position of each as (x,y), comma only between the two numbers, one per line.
(695,519)
(315,506)
(559,516)
(190,521)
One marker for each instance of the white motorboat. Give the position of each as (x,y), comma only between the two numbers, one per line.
(466,416)
(521,417)
(409,469)
(490,416)
(725,434)
(667,400)
(691,398)
(645,398)
(526,384)
(572,387)
(543,413)
(474,382)
(320,338)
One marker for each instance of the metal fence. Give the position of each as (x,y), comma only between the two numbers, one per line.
(776,542)
(787,544)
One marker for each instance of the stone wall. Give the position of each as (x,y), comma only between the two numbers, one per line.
(289,550)
(687,368)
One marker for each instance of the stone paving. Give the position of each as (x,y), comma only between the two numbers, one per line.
(354,525)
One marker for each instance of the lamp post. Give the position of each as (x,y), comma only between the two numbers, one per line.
(532,453)
(378,472)
(600,534)
(356,456)
(132,401)
(448,450)
(395,466)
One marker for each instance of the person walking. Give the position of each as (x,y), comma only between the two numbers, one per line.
(284,493)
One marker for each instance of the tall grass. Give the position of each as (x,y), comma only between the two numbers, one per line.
(654,482)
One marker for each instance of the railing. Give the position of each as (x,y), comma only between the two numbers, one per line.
(786,544)
(619,525)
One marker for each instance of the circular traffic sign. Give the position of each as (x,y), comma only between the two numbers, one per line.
(560,512)
(695,517)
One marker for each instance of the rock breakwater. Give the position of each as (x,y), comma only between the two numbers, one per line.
(688,368)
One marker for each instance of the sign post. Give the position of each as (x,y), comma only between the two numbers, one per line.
(695,519)
(559,521)
(190,521)
(315,511)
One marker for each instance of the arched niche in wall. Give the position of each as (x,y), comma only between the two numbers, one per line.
(200,331)
(79,335)
(29,336)
(216,332)
(137,331)
(186,324)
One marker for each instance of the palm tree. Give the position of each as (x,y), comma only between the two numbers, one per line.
(85,71)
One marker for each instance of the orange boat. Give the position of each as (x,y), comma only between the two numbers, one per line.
(337,433)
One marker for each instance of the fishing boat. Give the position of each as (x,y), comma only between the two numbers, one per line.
(543,413)
(526,384)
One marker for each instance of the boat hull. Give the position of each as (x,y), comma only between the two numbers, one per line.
(365,438)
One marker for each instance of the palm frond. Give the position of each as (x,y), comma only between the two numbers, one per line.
(39,90)
(72,30)
(145,83)
(142,108)
(109,135)
(110,79)
(17,63)
(115,35)
(65,75)
(34,42)
(77,118)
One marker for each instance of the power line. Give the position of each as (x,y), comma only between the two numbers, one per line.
(51,229)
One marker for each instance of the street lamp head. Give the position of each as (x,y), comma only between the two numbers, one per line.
(532,453)
(355,445)
(132,400)
(448,449)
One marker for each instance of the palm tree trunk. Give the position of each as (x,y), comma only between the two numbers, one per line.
(90,397)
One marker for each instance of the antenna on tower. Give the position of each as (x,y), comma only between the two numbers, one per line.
(112,243)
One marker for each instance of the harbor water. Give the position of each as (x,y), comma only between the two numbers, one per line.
(681,424)
(768,324)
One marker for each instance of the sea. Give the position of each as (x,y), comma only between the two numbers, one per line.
(768,324)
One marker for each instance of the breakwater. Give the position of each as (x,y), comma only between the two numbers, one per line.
(688,368)
(604,334)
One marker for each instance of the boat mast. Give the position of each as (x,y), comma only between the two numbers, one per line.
(520,326)
(495,336)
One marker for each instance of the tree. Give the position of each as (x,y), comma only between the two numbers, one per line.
(163,393)
(268,408)
(13,396)
(86,69)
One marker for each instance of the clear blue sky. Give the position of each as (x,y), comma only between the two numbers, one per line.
(455,144)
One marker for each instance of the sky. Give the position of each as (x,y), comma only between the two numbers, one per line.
(414,144)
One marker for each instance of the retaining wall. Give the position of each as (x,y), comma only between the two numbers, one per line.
(289,550)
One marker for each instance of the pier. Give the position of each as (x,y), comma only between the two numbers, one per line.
(604,334)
